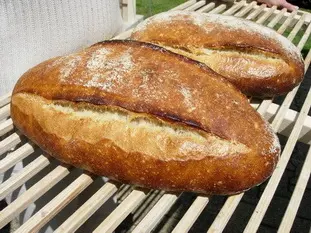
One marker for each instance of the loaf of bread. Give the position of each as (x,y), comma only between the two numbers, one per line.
(140,114)
(257,60)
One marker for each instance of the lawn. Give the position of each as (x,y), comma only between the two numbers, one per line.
(151,7)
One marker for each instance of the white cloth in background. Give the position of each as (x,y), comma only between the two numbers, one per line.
(32,31)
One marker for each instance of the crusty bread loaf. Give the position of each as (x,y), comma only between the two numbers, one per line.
(258,60)
(140,114)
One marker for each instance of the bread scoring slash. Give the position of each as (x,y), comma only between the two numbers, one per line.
(256,59)
(142,115)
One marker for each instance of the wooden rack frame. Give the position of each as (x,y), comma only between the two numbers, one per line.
(294,125)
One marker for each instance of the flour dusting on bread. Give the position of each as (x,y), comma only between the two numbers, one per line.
(209,22)
(188,100)
(107,71)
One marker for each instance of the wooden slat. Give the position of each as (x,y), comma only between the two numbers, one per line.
(218,9)
(32,194)
(225,213)
(44,215)
(256,12)
(25,174)
(234,8)
(269,191)
(292,208)
(288,20)
(6,126)
(5,99)
(156,213)
(184,5)
(121,212)
(229,208)
(246,9)
(4,112)
(149,202)
(297,27)
(9,142)
(277,121)
(169,202)
(195,6)
(207,8)
(304,38)
(88,208)
(16,156)
(191,215)
(277,18)
(266,15)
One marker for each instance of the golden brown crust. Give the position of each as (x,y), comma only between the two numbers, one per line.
(259,61)
(167,87)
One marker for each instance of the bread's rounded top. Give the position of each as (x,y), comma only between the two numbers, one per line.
(184,28)
(145,78)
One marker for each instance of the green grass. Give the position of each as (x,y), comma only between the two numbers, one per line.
(152,7)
